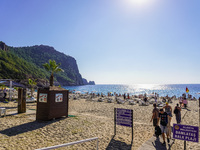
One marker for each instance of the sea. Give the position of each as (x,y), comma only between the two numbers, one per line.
(136,89)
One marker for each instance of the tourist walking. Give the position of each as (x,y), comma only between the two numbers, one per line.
(180,102)
(163,118)
(155,114)
(156,99)
(177,112)
(5,94)
(124,96)
(185,102)
(168,110)
(145,99)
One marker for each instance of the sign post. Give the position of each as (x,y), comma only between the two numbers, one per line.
(123,117)
(186,133)
(199,111)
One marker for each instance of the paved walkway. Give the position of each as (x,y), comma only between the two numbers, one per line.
(156,144)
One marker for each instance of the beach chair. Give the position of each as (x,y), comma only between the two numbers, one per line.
(110,100)
(152,101)
(2,111)
(100,99)
(31,100)
(131,102)
(137,100)
(142,103)
(120,101)
(161,105)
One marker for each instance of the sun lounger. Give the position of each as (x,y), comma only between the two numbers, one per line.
(151,101)
(141,103)
(110,100)
(160,105)
(31,100)
(131,102)
(137,100)
(2,111)
(120,101)
(100,100)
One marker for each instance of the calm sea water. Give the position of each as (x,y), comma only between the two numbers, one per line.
(136,89)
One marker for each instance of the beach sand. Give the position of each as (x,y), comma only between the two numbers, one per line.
(90,119)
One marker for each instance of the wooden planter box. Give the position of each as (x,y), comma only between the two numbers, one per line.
(52,103)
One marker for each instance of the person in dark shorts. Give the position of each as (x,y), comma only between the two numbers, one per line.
(155,115)
(177,112)
(163,117)
(145,99)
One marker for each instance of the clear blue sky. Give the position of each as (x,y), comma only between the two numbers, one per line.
(113,41)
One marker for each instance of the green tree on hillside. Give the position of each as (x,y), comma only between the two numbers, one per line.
(52,67)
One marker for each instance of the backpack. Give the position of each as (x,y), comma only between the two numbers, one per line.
(157,131)
(176,111)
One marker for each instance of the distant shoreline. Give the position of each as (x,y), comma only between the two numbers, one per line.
(136,89)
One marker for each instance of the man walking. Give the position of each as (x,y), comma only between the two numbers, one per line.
(155,115)
(168,110)
(177,112)
(163,118)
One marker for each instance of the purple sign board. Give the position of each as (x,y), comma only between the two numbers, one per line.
(124,117)
(186,133)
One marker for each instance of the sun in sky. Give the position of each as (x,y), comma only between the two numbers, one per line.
(140,2)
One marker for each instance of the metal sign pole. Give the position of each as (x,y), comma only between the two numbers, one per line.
(132,125)
(199,112)
(114,121)
(184,145)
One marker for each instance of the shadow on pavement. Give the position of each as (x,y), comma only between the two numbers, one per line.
(118,145)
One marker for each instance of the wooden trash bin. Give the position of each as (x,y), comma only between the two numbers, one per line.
(52,102)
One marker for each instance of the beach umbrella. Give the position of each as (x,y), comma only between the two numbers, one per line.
(78,92)
(150,95)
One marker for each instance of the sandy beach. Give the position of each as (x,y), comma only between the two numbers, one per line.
(87,119)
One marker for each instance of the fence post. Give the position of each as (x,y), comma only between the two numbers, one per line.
(97,144)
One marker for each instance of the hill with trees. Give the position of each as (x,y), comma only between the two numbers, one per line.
(21,63)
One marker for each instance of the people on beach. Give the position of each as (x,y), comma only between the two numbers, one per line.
(168,110)
(155,99)
(145,99)
(163,118)
(5,94)
(177,112)
(124,96)
(185,102)
(155,114)
(180,102)
(164,100)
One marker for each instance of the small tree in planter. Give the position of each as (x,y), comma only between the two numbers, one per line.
(32,83)
(52,67)
(53,101)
